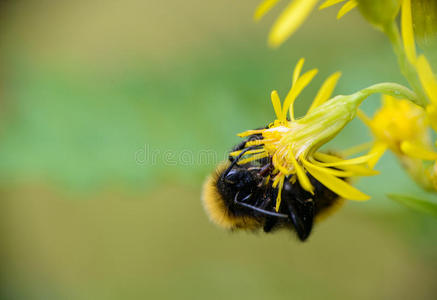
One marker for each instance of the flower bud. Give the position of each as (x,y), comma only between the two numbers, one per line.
(379,12)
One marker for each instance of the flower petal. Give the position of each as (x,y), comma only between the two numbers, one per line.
(326,90)
(263,8)
(289,21)
(258,142)
(377,150)
(431,111)
(276,104)
(334,172)
(347,7)
(363,117)
(295,90)
(252,158)
(358,170)
(278,198)
(407,31)
(297,70)
(352,161)
(250,132)
(340,187)
(235,153)
(301,176)
(356,149)
(427,78)
(418,151)
(278,165)
(389,101)
(329,3)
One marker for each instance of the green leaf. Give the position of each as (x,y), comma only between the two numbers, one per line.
(422,205)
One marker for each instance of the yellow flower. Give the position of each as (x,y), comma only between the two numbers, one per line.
(294,15)
(401,126)
(418,151)
(427,78)
(292,144)
(395,122)
(428,81)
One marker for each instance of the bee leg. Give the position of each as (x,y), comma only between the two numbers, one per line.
(234,162)
(245,198)
(270,224)
(260,210)
(264,169)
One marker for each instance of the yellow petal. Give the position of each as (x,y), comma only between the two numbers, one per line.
(334,172)
(278,165)
(263,8)
(431,111)
(297,70)
(417,151)
(352,161)
(388,100)
(301,176)
(252,158)
(235,153)
(329,3)
(250,132)
(407,31)
(358,170)
(427,78)
(289,21)
(377,150)
(340,187)
(356,149)
(326,90)
(363,117)
(278,198)
(276,104)
(276,181)
(258,142)
(295,90)
(347,7)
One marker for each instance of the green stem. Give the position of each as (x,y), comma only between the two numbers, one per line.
(392,31)
(392,89)
(386,88)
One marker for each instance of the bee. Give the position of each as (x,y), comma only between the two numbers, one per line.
(241,197)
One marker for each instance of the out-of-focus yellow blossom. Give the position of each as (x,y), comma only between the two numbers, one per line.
(427,78)
(395,122)
(294,15)
(293,144)
(418,151)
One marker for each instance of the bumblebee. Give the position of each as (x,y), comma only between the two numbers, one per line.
(241,196)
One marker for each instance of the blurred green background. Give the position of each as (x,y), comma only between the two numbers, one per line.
(114,112)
